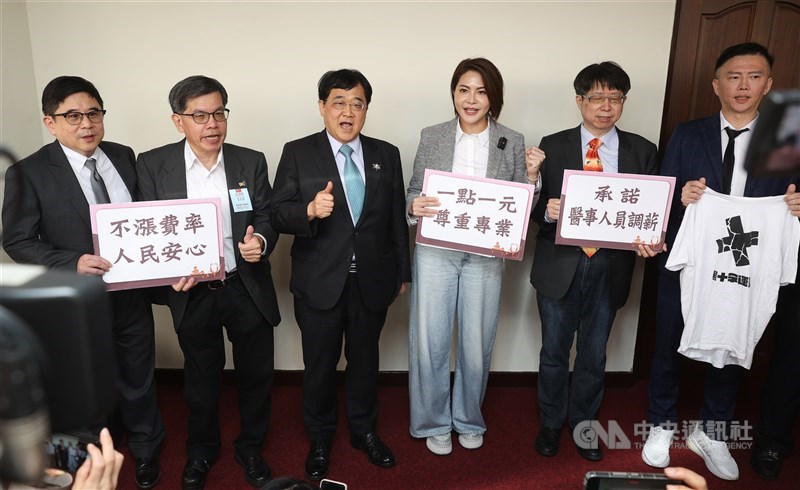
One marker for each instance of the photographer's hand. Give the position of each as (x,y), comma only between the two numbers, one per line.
(100,471)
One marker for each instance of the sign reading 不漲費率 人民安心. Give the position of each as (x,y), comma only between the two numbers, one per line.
(155,243)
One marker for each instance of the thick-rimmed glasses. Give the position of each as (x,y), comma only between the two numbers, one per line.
(74,117)
(600,99)
(201,117)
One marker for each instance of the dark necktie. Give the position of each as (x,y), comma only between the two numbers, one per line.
(98,186)
(727,159)
(352,183)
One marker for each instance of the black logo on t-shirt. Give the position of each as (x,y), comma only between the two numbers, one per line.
(737,241)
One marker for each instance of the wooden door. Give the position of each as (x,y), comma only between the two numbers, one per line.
(702,30)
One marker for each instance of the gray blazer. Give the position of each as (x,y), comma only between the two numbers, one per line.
(437,147)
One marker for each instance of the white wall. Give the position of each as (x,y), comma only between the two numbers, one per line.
(269,56)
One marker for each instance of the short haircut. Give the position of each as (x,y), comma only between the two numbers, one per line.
(192,87)
(344,79)
(744,49)
(60,88)
(606,74)
(492,82)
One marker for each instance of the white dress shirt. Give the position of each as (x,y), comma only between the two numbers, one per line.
(739,178)
(117,190)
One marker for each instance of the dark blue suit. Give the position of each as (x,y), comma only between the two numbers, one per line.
(694,151)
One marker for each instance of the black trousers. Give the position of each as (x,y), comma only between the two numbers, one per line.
(134,343)
(322,334)
(780,401)
(200,336)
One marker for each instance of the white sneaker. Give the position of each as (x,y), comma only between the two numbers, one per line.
(715,454)
(656,449)
(470,441)
(441,445)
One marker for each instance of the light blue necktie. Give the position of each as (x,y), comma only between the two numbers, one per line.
(353,183)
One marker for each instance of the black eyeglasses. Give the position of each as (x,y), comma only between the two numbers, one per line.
(74,117)
(201,117)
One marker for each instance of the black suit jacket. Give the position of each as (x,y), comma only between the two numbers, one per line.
(162,175)
(554,265)
(46,217)
(323,248)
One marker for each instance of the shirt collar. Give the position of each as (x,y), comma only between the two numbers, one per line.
(483,136)
(77,160)
(191,159)
(610,139)
(336,144)
(723,123)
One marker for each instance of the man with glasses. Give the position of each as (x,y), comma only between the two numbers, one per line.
(204,166)
(46,221)
(342,195)
(579,290)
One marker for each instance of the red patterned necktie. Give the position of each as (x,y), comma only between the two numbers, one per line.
(592,163)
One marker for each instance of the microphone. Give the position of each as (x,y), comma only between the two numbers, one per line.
(501,143)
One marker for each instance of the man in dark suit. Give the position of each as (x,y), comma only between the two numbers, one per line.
(46,221)
(202,166)
(576,291)
(350,260)
(695,157)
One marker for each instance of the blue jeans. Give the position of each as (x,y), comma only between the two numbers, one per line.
(445,282)
(585,309)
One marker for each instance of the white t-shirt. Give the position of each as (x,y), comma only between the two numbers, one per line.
(733,253)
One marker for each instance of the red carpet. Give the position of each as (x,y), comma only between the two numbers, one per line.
(507,459)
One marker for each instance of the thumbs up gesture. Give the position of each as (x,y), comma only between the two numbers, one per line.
(322,205)
(251,246)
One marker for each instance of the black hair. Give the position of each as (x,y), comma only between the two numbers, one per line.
(60,88)
(742,50)
(192,87)
(606,74)
(344,79)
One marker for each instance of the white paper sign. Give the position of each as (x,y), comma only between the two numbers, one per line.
(155,243)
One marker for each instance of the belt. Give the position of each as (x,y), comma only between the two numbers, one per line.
(231,276)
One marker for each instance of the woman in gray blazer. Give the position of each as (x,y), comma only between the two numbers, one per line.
(446,281)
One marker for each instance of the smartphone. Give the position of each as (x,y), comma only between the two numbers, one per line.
(614,480)
(326,484)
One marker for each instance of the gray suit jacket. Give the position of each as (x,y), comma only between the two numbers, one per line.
(437,146)
(162,176)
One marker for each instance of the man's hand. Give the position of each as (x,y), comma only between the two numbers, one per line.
(692,480)
(646,251)
(423,206)
(322,205)
(692,191)
(93,265)
(251,247)
(534,157)
(553,208)
(793,200)
(403,289)
(100,471)
(185,284)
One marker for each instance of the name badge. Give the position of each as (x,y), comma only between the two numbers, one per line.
(240,199)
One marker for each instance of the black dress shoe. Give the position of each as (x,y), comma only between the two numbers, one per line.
(590,454)
(148,472)
(766,462)
(547,441)
(256,470)
(318,460)
(377,452)
(195,473)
